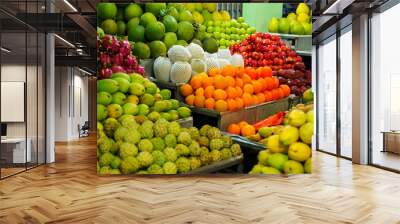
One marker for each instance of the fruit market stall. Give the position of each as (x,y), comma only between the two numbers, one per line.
(183,88)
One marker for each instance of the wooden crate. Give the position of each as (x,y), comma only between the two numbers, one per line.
(250,114)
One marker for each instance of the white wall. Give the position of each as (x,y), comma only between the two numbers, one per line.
(71,102)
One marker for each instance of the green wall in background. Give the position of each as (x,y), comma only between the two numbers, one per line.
(259,14)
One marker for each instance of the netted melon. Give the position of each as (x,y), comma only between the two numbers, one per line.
(180,72)
(179,53)
(162,67)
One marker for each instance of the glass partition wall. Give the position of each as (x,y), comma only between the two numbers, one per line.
(22,77)
(334,94)
(385,89)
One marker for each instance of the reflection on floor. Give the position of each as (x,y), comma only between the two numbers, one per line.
(70,191)
(387,159)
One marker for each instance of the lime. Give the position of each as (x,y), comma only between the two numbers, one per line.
(141,50)
(157,49)
(132,10)
(155,31)
(170,39)
(136,33)
(170,23)
(147,18)
(107,10)
(121,28)
(109,26)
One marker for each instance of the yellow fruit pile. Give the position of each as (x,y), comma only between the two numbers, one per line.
(288,146)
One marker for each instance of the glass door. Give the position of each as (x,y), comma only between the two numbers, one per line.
(326,78)
(346,94)
(385,90)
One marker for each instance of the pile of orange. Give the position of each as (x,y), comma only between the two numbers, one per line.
(242,128)
(233,88)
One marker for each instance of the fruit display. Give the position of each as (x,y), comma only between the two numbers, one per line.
(264,49)
(225,30)
(288,146)
(298,23)
(159,147)
(123,96)
(184,62)
(232,88)
(114,56)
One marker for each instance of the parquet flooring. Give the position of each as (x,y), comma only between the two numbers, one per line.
(69,191)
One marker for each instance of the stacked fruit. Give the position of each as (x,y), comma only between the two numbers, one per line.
(264,49)
(233,88)
(159,147)
(124,95)
(287,146)
(295,23)
(115,56)
(226,32)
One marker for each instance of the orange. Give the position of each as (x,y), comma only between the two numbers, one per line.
(239,82)
(190,100)
(231,104)
(199,92)
(209,91)
(263,84)
(221,106)
(199,101)
(207,81)
(242,124)
(261,97)
(202,74)
(234,129)
(286,89)
(281,93)
(246,79)
(248,130)
(266,71)
(213,72)
(186,89)
(252,73)
(239,91)
(196,82)
(220,82)
(239,103)
(230,81)
(257,86)
(219,94)
(247,99)
(231,91)
(275,94)
(248,88)
(239,71)
(228,70)
(268,96)
(269,83)
(275,82)
(255,100)
(209,103)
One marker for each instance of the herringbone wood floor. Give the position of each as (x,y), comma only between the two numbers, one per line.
(69,191)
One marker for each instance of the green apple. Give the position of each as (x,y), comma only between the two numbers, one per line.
(299,151)
(130,108)
(306,132)
(277,160)
(270,170)
(114,110)
(289,135)
(263,157)
(274,145)
(293,167)
(297,118)
(210,29)
(118,98)
(308,165)
(240,20)
(210,23)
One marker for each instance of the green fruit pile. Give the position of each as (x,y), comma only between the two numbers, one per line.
(160,147)
(226,32)
(288,146)
(298,23)
(125,95)
(153,27)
